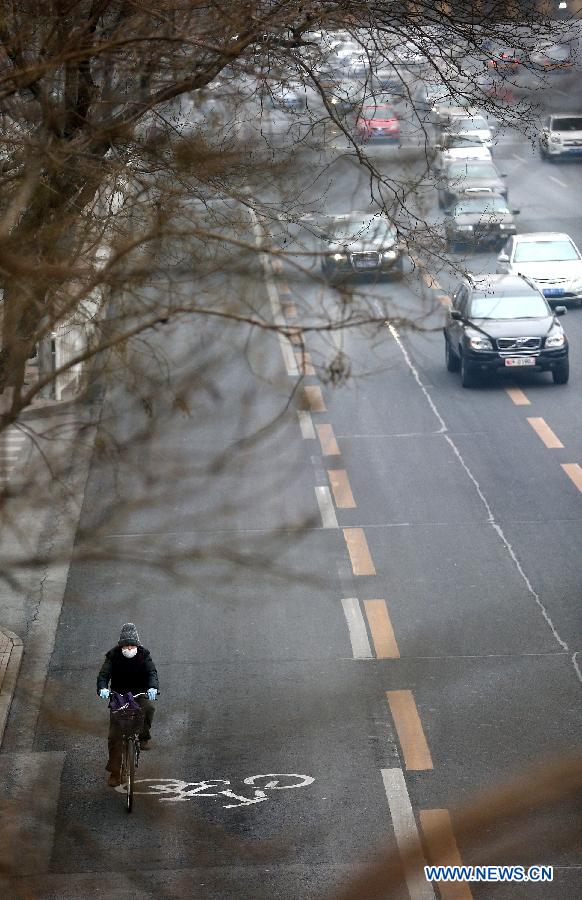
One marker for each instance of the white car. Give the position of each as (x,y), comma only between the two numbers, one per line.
(474,127)
(549,259)
(455,147)
(561,136)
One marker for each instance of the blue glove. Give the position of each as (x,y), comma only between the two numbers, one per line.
(152,693)
(104,693)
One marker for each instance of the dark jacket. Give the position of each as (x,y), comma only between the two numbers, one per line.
(123,675)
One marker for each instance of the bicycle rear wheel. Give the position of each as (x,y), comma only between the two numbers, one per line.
(130,773)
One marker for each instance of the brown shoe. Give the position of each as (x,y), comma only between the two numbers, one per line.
(113,780)
(145,745)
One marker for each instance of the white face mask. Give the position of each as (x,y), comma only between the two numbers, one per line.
(129,653)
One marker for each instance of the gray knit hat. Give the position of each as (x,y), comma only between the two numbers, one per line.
(128,635)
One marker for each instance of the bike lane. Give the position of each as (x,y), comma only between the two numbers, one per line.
(258,680)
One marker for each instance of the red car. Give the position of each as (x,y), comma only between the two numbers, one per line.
(377,122)
(505,59)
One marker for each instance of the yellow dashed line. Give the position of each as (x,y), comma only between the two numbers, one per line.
(444,300)
(518,396)
(326,436)
(381,629)
(574,472)
(290,310)
(283,287)
(442,850)
(545,433)
(360,556)
(314,398)
(409,728)
(342,492)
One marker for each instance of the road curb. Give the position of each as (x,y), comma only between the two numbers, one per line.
(11,650)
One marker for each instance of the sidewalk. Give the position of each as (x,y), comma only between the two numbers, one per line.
(10,659)
(44,466)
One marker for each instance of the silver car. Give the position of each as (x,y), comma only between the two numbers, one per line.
(472,126)
(550,260)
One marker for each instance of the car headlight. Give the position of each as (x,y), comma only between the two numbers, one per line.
(464,227)
(556,339)
(576,286)
(338,257)
(554,138)
(507,226)
(389,254)
(478,341)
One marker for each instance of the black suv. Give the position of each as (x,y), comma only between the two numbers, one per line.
(479,220)
(503,322)
(464,177)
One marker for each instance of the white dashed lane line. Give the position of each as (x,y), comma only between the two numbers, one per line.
(406,832)
(11,443)
(325,503)
(557,181)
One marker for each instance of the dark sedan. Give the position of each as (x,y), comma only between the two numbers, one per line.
(479,221)
(466,177)
(504,323)
(360,244)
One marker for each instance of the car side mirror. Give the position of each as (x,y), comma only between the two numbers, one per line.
(456,315)
(503,257)
(516,212)
(503,174)
(560,311)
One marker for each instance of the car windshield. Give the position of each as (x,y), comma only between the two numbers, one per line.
(455,140)
(364,230)
(532,307)
(570,123)
(481,206)
(472,170)
(377,112)
(557,52)
(474,124)
(545,251)
(500,51)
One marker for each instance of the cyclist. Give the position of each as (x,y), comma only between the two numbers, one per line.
(128,667)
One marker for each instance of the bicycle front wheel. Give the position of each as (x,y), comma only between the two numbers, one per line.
(130,773)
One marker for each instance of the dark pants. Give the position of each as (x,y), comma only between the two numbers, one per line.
(114,741)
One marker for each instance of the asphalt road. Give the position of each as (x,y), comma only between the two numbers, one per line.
(387,628)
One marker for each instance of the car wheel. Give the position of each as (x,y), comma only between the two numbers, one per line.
(452,361)
(467,374)
(561,373)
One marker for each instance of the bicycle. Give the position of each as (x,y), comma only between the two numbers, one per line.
(130,722)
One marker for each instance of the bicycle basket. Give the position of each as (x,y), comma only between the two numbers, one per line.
(130,721)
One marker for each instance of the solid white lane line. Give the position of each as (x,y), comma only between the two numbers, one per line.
(306,425)
(357,629)
(405,831)
(520,158)
(557,181)
(328,516)
(276,309)
(490,516)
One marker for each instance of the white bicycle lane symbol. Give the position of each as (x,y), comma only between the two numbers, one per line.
(179,791)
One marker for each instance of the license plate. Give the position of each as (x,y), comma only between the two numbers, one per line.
(520,361)
(553,292)
(366,264)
